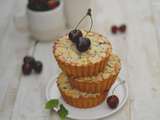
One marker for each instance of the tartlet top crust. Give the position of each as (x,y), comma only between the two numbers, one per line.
(65,50)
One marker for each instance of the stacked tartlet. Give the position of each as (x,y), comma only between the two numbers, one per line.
(86,76)
(77,64)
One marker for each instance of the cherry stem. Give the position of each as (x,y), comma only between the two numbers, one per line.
(80,21)
(34,47)
(88,14)
(91,23)
(121,82)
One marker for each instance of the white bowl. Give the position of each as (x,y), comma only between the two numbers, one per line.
(46,25)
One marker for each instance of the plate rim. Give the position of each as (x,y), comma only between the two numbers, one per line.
(105,115)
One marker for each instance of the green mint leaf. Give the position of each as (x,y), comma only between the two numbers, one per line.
(63,112)
(52,104)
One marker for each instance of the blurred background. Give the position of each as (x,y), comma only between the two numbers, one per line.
(24,23)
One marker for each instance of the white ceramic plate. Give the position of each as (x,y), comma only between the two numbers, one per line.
(98,112)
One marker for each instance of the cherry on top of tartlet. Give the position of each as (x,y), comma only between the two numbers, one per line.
(76,36)
(65,49)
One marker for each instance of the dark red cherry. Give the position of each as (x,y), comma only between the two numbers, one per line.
(26,68)
(38,67)
(122,28)
(74,35)
(114,29)
(83,44)
(112,101)
(29,59)
(53,4)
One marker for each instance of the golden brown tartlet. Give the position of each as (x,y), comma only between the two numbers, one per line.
(81,64)
(101,82)
(77,98)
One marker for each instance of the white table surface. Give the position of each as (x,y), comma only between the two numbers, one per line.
(23,97)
